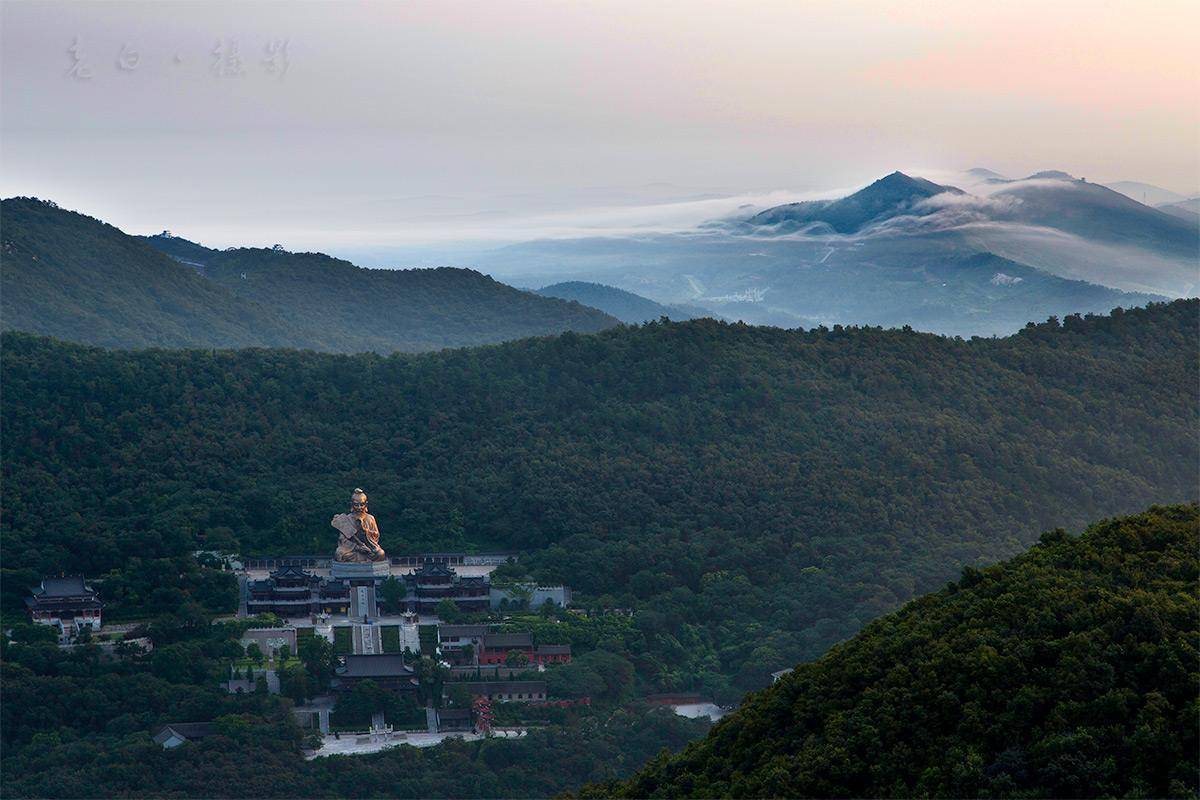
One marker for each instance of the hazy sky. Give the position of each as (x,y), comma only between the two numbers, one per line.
(335,125)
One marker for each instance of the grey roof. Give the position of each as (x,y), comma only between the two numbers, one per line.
(434,568)
(185,730)
(497,641)
(71,586)
(388,665)
(554,649)
(291,571)
(463,630)
(503,687)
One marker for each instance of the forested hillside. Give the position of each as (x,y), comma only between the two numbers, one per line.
(755,495)
(1070,671)
(625,306)
(385,310)
(73,277)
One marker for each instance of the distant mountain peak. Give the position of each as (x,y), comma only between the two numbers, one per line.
(1052,174)
(898,185)
(893,194)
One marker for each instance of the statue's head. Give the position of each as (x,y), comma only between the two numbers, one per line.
(358,502)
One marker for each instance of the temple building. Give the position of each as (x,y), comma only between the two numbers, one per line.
(388,671)
(66,603)
(496,647)
(435,582)
(506,691)
(292,592)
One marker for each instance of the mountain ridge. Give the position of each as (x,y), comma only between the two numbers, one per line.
(886,197)
(630,308)
(77,278)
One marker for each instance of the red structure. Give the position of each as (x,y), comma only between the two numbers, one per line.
(495,647)
(482,707)
(581,701)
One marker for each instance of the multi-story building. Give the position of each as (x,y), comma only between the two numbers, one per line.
(387,670)
(459,637)
(292,592)
(66,603)
(434,582)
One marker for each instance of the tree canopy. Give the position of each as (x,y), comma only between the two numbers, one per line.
(1070,671)
(753,495)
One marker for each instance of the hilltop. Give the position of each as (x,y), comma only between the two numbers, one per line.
(890,195)
(1069,671)
(73,277)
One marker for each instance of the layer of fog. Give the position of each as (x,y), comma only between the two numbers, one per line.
(945,225)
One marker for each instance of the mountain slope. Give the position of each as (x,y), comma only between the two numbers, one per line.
(180,249)
(625,306)
(1049,220)
(940,283)
(1146,193)
(754,494)
(890,195)
(383,309)
(1096,213)
(1186,210)
(71,276)
(1069,671)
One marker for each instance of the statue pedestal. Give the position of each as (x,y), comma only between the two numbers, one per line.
(350,570)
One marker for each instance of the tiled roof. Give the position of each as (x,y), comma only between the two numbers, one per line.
(290,571)
(71,586)
(187,730)
(375,666)
(503,687)
(446,714)
(498,641)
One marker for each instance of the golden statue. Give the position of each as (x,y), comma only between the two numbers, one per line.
(358,533)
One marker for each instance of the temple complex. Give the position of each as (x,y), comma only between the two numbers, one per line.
(348,583)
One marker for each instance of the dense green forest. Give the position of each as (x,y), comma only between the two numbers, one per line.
(754,495)
(73,277)
(1070,671)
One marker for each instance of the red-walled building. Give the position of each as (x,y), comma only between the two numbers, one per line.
(496,647)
